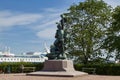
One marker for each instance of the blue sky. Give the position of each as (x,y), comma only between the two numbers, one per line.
(25,25)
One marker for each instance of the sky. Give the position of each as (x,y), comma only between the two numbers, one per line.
(25,25)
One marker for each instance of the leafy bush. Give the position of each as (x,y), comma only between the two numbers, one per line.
(15,67)
(101,69)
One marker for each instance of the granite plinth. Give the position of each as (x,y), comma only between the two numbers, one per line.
(58,65)
(61,68)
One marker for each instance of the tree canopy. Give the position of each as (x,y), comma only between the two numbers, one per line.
(87,22)
(93,29)
(112,42)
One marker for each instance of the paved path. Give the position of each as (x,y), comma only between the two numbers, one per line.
(24,77)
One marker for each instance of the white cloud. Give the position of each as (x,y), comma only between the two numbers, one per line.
(10,19)
(43,24)
(54,10)
(48,33)
(47,26)
(51,10)
(49,19)
(5,13)
(50,23)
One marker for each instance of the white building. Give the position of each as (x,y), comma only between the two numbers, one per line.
(23,59)
(6,56)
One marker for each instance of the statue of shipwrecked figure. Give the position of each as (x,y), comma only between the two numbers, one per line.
(57,50)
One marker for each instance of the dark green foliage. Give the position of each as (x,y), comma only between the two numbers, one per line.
(101,69)
(15,67)
(112,41)
(87,23)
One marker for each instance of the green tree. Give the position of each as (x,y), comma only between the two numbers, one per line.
(112,42)
(87,23)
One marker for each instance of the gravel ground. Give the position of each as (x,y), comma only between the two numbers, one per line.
(24,77)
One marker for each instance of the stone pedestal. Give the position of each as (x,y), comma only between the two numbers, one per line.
(61,68)
(58,65)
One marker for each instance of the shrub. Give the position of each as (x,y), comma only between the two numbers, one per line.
(101,69)
(15,67)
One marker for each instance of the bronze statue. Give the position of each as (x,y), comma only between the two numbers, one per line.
(57,50)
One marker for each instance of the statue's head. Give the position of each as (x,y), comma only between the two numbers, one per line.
(52,46)
(59,26)
(63,18)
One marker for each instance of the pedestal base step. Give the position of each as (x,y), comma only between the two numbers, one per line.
(57,73)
